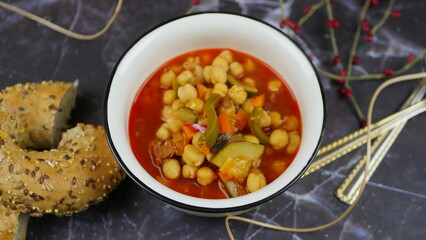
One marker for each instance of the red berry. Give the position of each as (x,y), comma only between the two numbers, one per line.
(374,2)
(291,24)
(311,57)
(336,60)
(307,10)
(363,123)
(340,81)
(333,23)
(195,2)
(334,1)
(388,72)
(343,73)
(283,23)
(296,29)
(369,37)
(343,90)
(396,14)
(365,25)
(348,93)
(410,58)
(356,60)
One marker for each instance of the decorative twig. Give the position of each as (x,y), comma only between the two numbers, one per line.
(282,9)
(310,11)
(193,5)
(332,23)
(384,18)
(375,76)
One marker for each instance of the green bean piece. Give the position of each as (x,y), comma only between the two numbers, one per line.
(212,131)
(255,125)
(234,81)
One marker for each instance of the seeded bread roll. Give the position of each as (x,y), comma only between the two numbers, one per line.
(43,110)
(13,226)
(66,180)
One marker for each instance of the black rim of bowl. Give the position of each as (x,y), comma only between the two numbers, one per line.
(197,208)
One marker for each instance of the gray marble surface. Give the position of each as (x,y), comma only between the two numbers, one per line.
(394,203)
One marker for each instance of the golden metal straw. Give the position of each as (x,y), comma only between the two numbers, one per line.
(339,148)
(349,189)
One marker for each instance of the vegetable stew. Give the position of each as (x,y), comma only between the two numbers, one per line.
(215,123)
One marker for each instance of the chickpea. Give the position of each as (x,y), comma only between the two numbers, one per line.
(164,133)
(221,89)
(294,142)
(191,62)
(228,110)
(206,73)
(265,119)
(248,105)
(198,72)
(249,82)
(255,181)
(218,75)
(189,171)
(177,104)
(227,55)
(205,176)
(187,92)
(171,168)
(278,165)
(251,138)
(197,139)
(249,65)
(275,119)
(167,78)
(237,68)
(221,62)
(274,86)
(278,139)
(196,104)
(175,124)
(165,113)
(169,96)
(192,156)
(291,123)
(237,94)
(184,77)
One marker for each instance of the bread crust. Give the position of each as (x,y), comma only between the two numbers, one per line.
(37,105)
(80,172)
(8,223)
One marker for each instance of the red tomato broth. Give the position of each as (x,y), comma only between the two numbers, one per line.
(145,119)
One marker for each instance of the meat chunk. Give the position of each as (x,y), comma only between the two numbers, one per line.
(166,149)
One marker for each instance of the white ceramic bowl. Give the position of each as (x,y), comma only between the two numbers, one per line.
(214,30)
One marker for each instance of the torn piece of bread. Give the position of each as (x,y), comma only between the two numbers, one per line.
(43,110)
(80,172)
(13,225)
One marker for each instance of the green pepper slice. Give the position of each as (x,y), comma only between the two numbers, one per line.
(234,81)
(212,131)
(255,125)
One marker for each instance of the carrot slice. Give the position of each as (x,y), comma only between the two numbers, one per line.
(225,124)
(201,90)
(259,101)
(242,118)
(189,132)
(224,176)
(204,149)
